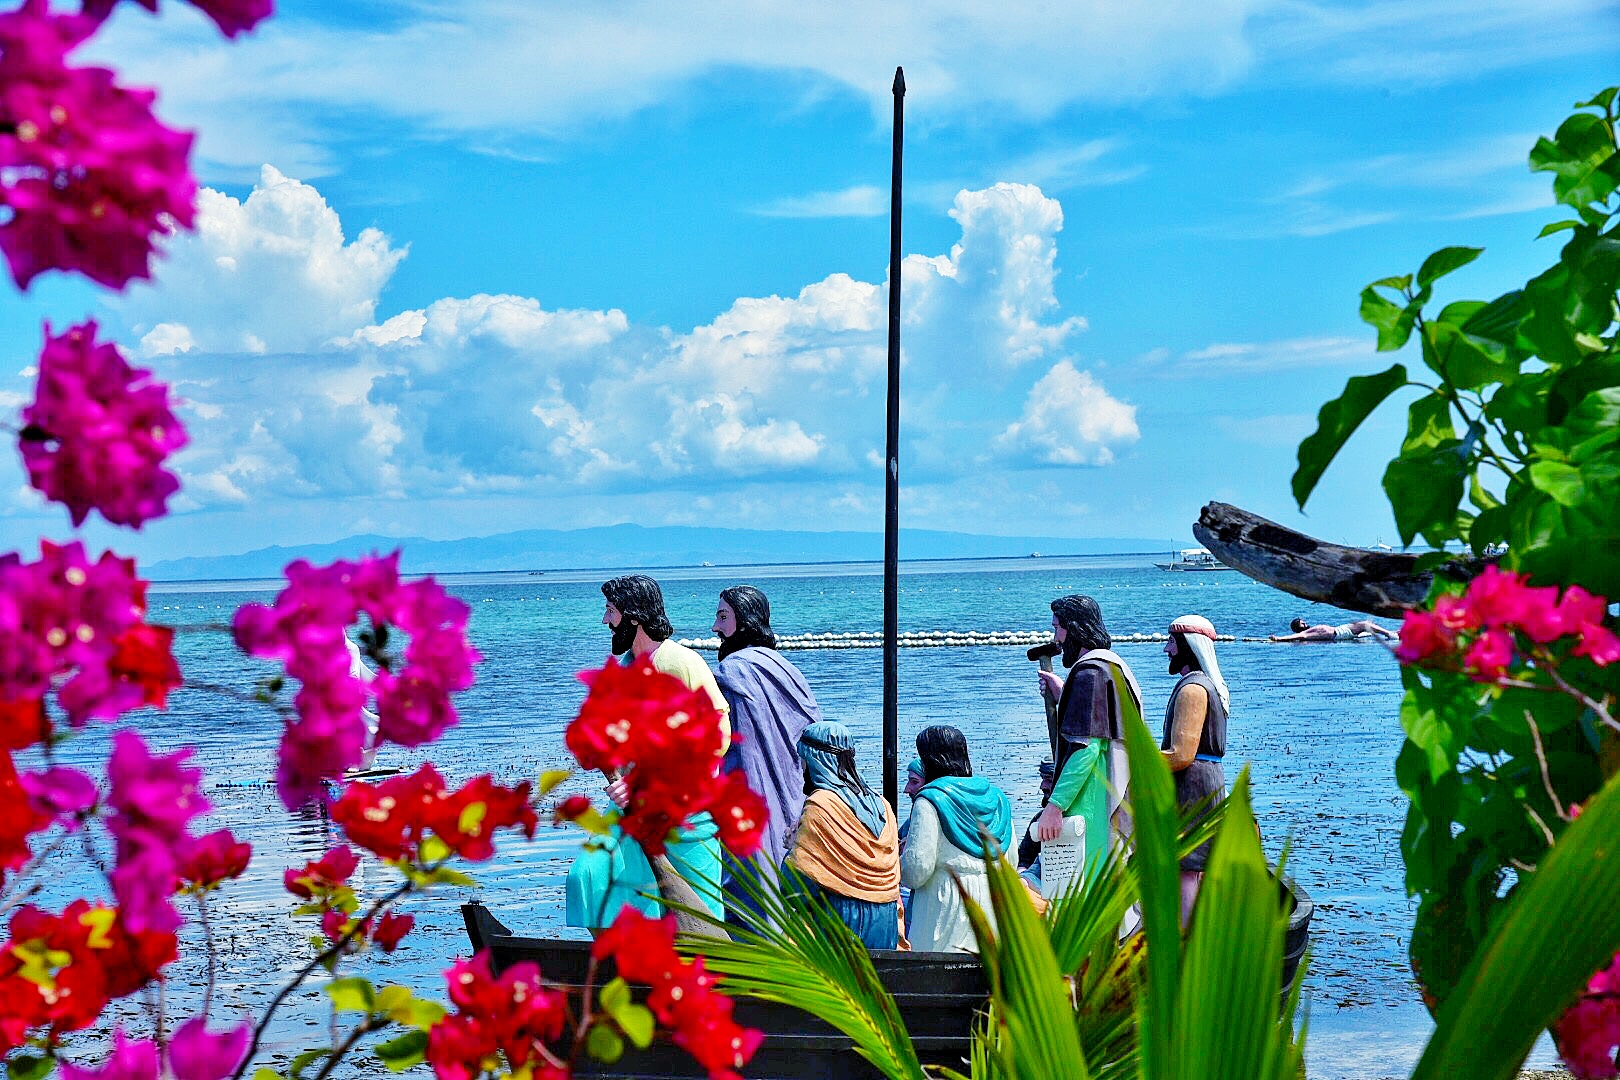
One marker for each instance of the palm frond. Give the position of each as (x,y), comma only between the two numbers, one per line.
(800,953)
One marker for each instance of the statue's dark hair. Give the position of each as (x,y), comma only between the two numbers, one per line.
(1082,620)
(1184,654)
(753,613)
(944,752)
(640,600)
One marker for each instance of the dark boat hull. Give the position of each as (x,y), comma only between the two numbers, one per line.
(938,995)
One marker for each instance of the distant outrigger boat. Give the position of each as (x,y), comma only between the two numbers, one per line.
(1191,559)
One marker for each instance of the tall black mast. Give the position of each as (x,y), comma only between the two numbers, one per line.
(891,484)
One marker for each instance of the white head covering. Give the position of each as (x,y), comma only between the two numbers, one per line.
(1199,633)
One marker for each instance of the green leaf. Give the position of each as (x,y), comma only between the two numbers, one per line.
(1445,261)
(1425,488)
(265,1073)
(353,994)
(614,996)
(403,1052)
(1576,155)
(1531,964)
(435,850)
(1464,362)
(1428,423)
(604,1044)
(637,1023)
(1337,421)
(1557,227)
(1401,283)
(1499,320)
(305,1060)
(444,875)
(1560,481)
(1393,321)
(1601,100)
(1158,874)
(29,1067)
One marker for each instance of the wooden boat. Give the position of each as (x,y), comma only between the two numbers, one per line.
(938,995)
(1193,560)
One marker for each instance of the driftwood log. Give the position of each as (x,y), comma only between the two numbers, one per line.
(1376,582)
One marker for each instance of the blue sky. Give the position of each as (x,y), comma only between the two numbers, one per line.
(477,266)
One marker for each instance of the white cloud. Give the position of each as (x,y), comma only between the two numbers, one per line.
(863,200)
(266,321)
(271,273)
(1069,419)
(1259,357)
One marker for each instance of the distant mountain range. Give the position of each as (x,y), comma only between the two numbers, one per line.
(636,545)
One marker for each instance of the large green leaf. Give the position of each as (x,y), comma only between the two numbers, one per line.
(1337,421)
(1393,321)
(1158,875)
(1445,261)
(1580,155)
(1227,1024)
(1563,925)
(1425,487)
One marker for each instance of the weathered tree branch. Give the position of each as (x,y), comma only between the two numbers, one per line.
(1376,582)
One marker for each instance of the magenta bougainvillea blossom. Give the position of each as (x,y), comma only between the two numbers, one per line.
(233,17)
(153,798)
(1588,1033)
(305,630)
(66,622)
(88,174)
(99,431)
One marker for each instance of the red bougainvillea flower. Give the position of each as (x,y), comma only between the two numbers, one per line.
(514,1014)
(572,807)
(305,630)
(214,858)
(1588,1034)
(99,431)
(391,930)
(233,17)
(89,174)
(671,740)
(328,872)
(20,816)
(393,818)
(682,994)
(58,972)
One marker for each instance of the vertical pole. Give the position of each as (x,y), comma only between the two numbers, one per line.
(891,482)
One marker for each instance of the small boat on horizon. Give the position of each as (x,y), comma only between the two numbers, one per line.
(1193,559)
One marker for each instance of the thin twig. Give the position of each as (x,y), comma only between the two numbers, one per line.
(333,950)
(585,1012)
(1541,759)
(213,953)
(1528,809)
(365,1028)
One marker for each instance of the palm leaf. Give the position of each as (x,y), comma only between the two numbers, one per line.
(1563,925)
(803,955)
(1158,875)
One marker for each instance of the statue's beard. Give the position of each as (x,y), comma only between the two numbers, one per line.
(624,637)
(1071,650)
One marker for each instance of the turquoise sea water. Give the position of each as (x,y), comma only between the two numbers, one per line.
(1317,724)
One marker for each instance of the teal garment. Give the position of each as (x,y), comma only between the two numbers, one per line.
(820,746)
(603,881)
(1082,791)
(966,804)
(876,924)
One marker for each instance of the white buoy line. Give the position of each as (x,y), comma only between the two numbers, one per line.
(927,639)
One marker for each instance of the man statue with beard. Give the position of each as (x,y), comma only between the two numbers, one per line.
(1195,733)
(771,705)
(1095,703)
(616,873)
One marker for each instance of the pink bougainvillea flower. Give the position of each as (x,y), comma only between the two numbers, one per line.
(99,431)
(233,17)
(195,1054)
(1488,658)
(89,174)
(305,629)
(153,798)
(1588,1034)
(1599,644)
(328,872)
(60,792)
(391,930)
(128,1061)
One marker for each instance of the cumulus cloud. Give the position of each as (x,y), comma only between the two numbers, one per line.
(1069,419)
(270,273)
(293,385)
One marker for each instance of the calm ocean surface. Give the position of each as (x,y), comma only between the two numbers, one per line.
(1318,725)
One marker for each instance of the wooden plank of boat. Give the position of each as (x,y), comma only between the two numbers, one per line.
(938,995)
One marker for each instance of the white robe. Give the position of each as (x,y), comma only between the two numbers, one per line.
(939,920)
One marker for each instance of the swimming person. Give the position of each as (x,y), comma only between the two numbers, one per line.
(1350,631)
(1096,702)
(771,705)
(1195,733)
(944,854)
(846,849)
(615,872)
